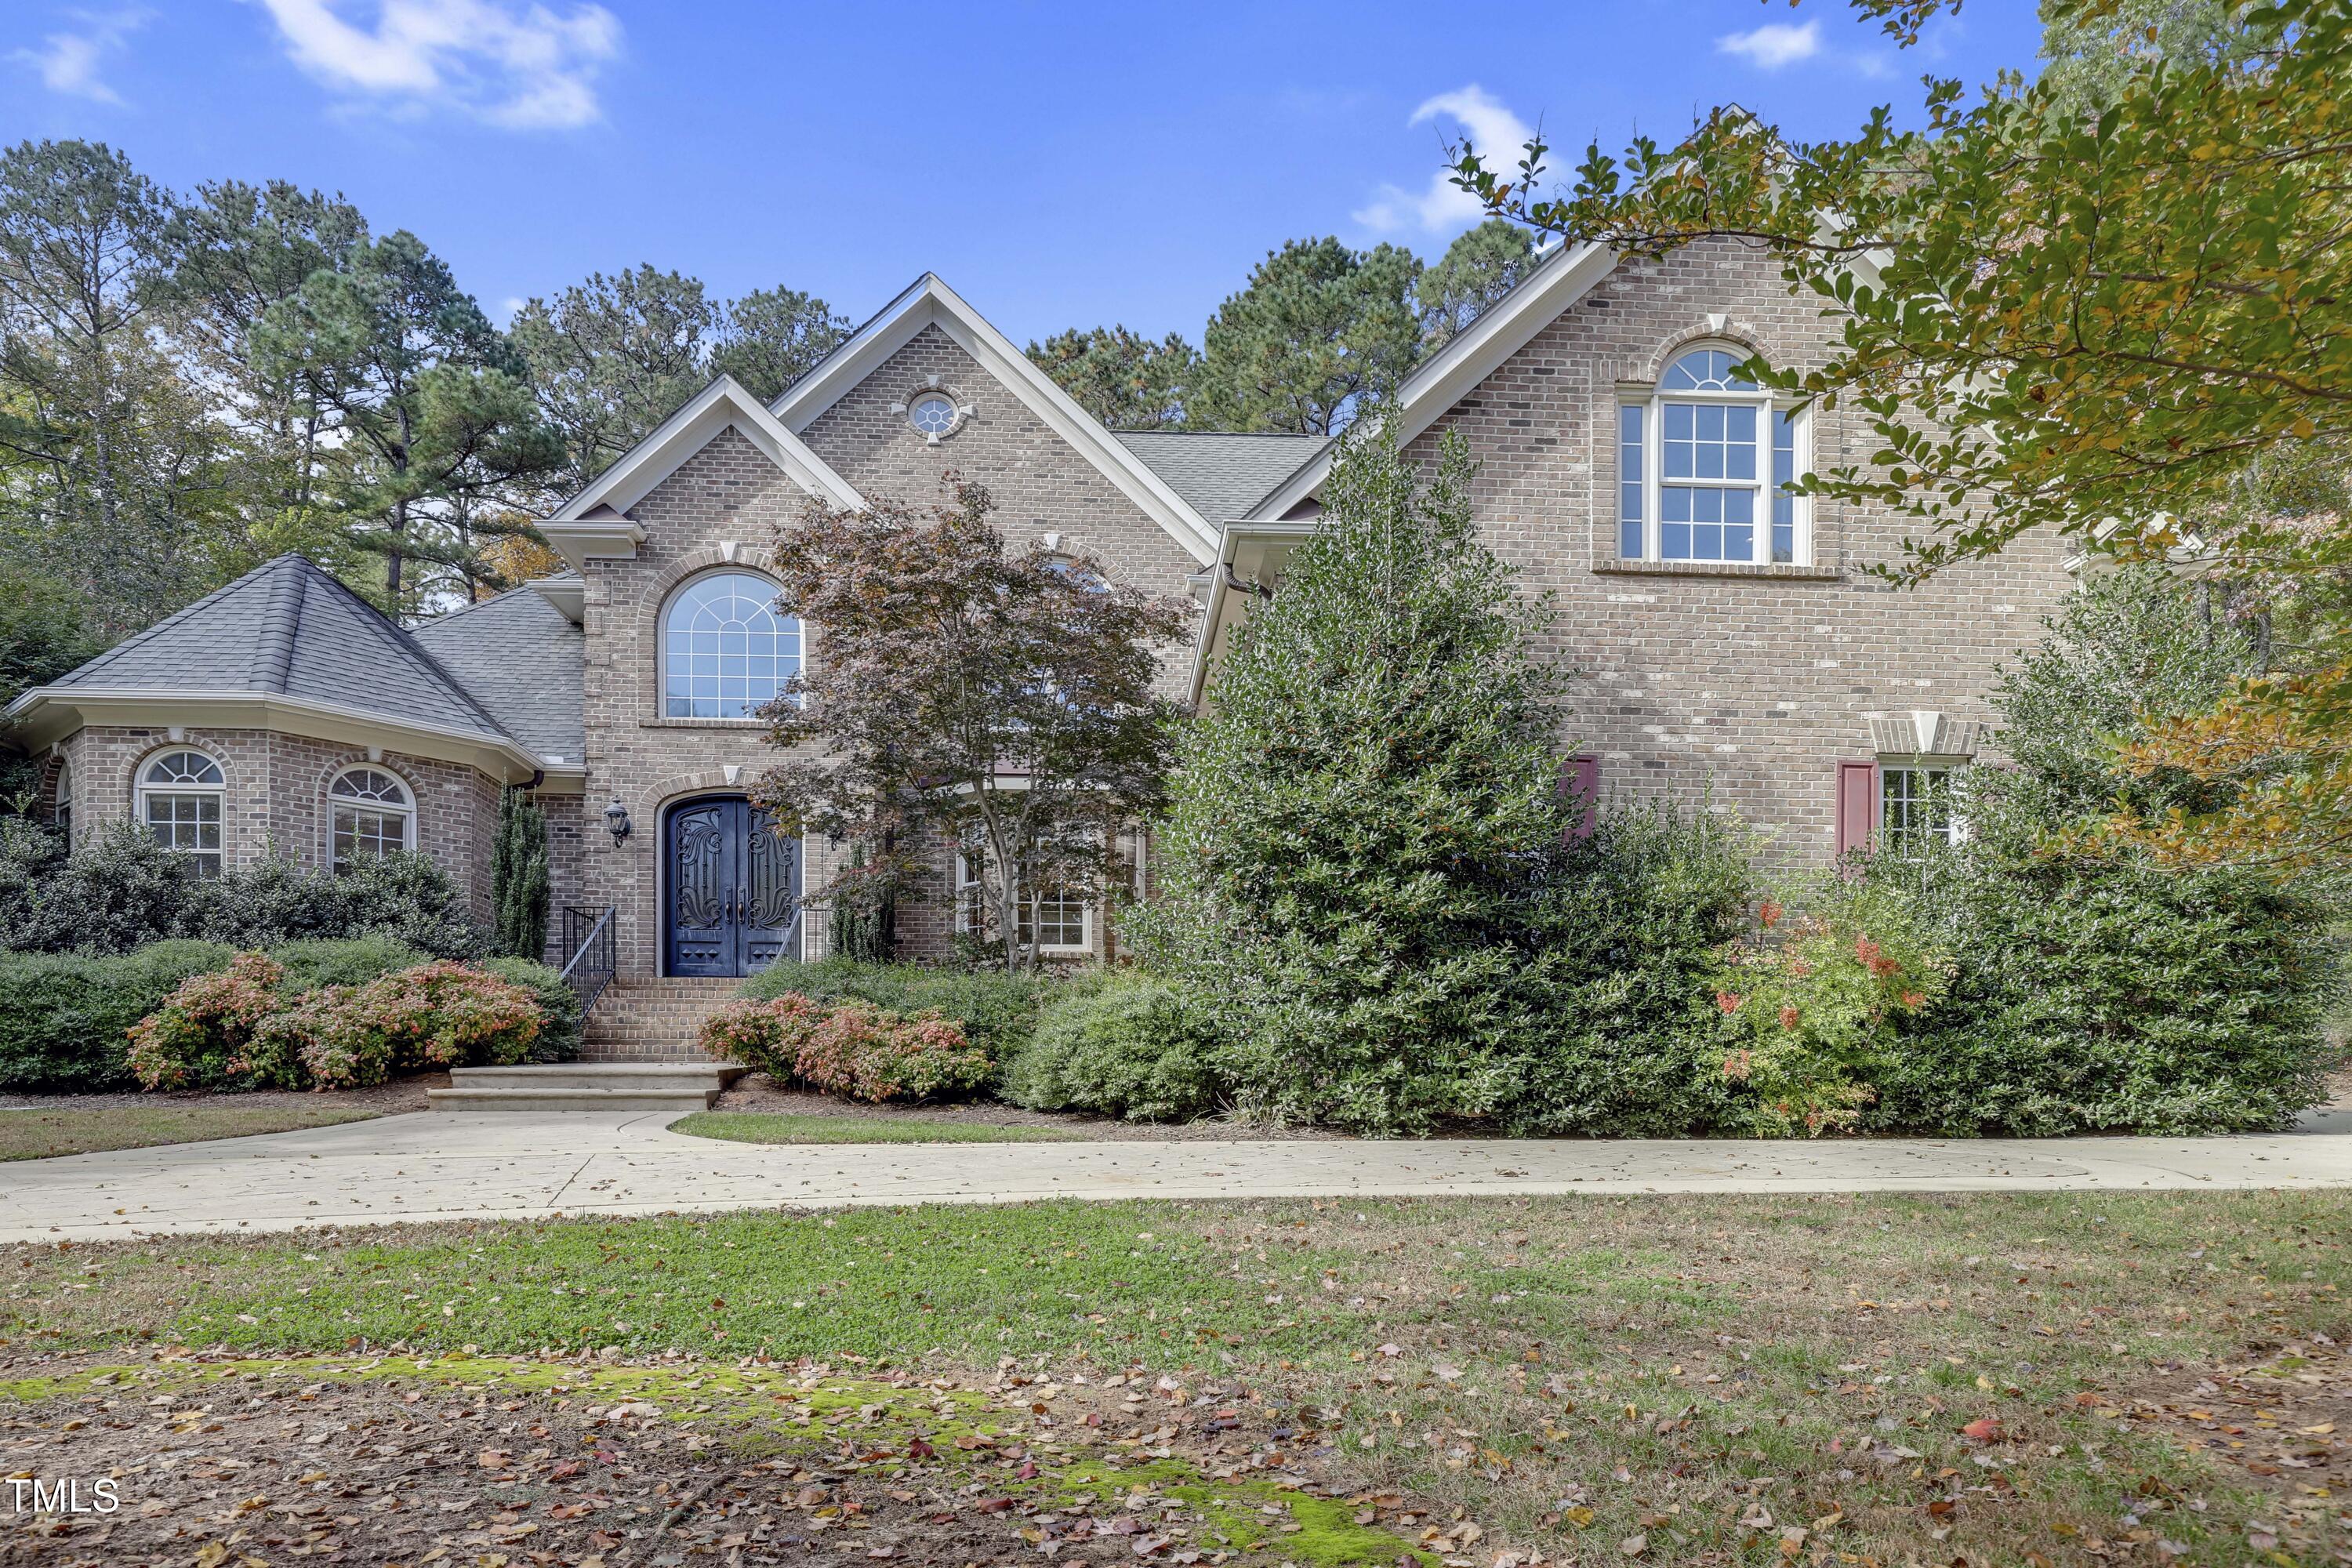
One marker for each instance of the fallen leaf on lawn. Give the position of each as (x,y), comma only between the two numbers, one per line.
(495,1459)
(1984,1430)
(1634,1545)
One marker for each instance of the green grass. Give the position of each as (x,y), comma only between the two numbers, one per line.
(784,1127)
(41,1134)
(1512,1357)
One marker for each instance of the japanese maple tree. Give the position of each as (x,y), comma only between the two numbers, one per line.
(959,690)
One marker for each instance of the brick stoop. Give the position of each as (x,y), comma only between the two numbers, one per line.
(652,1020)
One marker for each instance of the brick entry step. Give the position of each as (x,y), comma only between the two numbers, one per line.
(652,1020)
(679,1087)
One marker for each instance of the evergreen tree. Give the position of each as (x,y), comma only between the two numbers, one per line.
(1480,268)
(1318,327)
(771,337)
(519,877)
(611,357)
(1363,823)
(1123,378)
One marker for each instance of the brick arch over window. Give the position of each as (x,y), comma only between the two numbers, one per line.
(320,833)
(1702,334)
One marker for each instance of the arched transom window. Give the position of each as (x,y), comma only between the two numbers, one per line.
(725,649)
(180,795)
(1700,466)
(369,812)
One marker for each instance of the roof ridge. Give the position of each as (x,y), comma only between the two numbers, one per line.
(445,618)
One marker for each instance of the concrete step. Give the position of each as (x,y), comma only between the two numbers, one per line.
(651,1085)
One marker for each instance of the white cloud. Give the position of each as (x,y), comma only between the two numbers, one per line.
(68,61)
(1443,208)
(518,65)
(1773,45)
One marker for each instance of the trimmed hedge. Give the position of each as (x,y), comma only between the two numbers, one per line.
(65,1018)
(849,1047)
(558,1005)
(1133,1047)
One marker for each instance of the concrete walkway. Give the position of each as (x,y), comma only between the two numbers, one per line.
(438,1167)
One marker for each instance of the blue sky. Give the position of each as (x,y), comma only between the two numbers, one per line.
(1059,164)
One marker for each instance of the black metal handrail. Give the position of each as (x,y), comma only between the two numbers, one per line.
(588,937)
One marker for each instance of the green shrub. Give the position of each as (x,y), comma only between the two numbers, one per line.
(403,897)
(1361,828)
(1632,916)
(1812,1005)
(558,1005)
(996,1010)
(198,1038)
(65,1019)
(2114,996)
(117,890)
(1134,1049)
(864,1052)
(350,960)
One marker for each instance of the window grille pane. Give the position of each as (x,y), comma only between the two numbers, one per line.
(1630,482)
(1784,470)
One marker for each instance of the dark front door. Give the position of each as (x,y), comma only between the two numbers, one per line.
(734,888)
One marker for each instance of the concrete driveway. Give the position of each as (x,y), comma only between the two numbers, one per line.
(429,1166)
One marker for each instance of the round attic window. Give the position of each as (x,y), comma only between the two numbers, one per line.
(933,413)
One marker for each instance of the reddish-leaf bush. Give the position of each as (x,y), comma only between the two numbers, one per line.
(197,1039)
(850,1047)
(765,1035)
(239,1030)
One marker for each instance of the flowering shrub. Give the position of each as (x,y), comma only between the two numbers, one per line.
(765,1035)
(1810,1005)
(197,1039)
(239,1030)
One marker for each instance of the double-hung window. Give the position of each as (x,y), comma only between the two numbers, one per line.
(1701,467)
(180,796)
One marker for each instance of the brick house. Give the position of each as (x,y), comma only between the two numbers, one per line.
(1729,647)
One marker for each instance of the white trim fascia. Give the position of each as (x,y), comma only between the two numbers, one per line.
(697,421)
(929,301)
(1235,533)
(567,592)
(1449,375)
(40,709)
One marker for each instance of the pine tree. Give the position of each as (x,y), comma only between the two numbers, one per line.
(518,880)
(1361,824)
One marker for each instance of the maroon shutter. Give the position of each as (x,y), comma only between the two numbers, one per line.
(1580,780)
(1857,804)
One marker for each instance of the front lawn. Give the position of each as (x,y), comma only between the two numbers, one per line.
(1674,1379)
(40,1134)
(772,1127)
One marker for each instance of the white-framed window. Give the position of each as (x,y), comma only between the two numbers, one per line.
(726,650)
(933,413)
(61,801)
(1061,919)
(1919,807)
(180,797)
(1701,463)
(369,812)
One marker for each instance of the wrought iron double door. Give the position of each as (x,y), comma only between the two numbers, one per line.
(734,888)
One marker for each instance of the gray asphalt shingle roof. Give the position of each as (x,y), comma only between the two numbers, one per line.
(1223,474)
(288,628)
(522,660)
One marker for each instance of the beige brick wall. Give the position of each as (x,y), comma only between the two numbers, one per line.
(728,500)
(1745,689)
(276,796)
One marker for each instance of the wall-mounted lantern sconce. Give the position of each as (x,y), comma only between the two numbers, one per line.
(616,820)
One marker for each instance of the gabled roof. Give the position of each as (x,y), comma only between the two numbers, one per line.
(1470,357)
(591,522)
(521,658)
(928,301)
(284,639)
(1223,474)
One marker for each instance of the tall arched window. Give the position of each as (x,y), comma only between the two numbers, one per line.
(1700,466)
(369,812)
(725,650)
(180,795)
